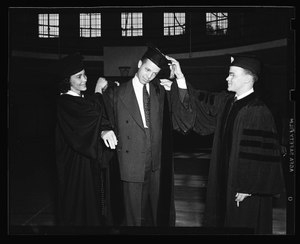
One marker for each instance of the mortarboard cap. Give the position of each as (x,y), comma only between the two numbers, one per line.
(246,62)
(69,65)
(155,55)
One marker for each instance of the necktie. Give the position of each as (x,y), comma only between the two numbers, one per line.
(234,100)
(146,100)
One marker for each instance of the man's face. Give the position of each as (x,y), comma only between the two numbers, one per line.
(147,71)
(236,79)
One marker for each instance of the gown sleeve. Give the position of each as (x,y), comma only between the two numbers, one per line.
(259,160)
(196,109)
(183,117)
(109,100)
(81,121)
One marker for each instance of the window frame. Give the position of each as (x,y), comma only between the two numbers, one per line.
(44,29)
(133,31)
(212,25)
(170,27)
(88,29)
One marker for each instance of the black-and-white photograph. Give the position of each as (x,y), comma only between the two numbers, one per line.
(151,120)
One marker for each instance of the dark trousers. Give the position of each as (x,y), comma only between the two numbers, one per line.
(138,196)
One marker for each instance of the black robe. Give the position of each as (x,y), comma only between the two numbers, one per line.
(245,159)
(82,160)
(177,115)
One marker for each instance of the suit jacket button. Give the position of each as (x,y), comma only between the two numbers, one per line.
(127,151)
(127,121)
(128,137)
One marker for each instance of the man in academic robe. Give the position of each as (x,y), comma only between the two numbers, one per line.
(81,156)
(141,114)
(245,168)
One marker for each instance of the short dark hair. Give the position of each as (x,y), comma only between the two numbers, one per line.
(64,85)
(249,72)
(143,59)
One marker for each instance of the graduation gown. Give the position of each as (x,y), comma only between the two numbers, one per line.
(245,158)
(81,157)
(171,113)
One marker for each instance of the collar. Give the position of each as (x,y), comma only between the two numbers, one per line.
(136,82)
(244,94)
(70,92)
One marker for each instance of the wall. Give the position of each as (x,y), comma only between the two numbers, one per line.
(246,25)
(33,92)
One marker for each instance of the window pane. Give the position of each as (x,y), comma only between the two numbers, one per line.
(84,20)
(53,31)
(132,24)
(43,19)
(53,19)
(85,32)
(216,23)
(48,25)
(174,24)
(90,24)
(95,32)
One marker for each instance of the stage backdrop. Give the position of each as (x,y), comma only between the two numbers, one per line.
(115,57)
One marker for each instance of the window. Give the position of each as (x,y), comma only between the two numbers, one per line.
(90,25)
(216,23)
(48,25)
(174,24)
(132,24)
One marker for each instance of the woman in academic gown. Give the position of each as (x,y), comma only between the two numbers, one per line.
(81,155)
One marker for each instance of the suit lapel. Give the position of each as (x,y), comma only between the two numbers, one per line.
(130,101)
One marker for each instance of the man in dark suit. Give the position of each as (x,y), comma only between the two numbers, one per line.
(144,129)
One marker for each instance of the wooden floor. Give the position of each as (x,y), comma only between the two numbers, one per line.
(31,192)
(191,170)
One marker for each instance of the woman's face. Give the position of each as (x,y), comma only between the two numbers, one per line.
(78,82)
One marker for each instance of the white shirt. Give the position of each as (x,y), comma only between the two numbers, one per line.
(138,90)
(70,92)
(244,94)
(181,83)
